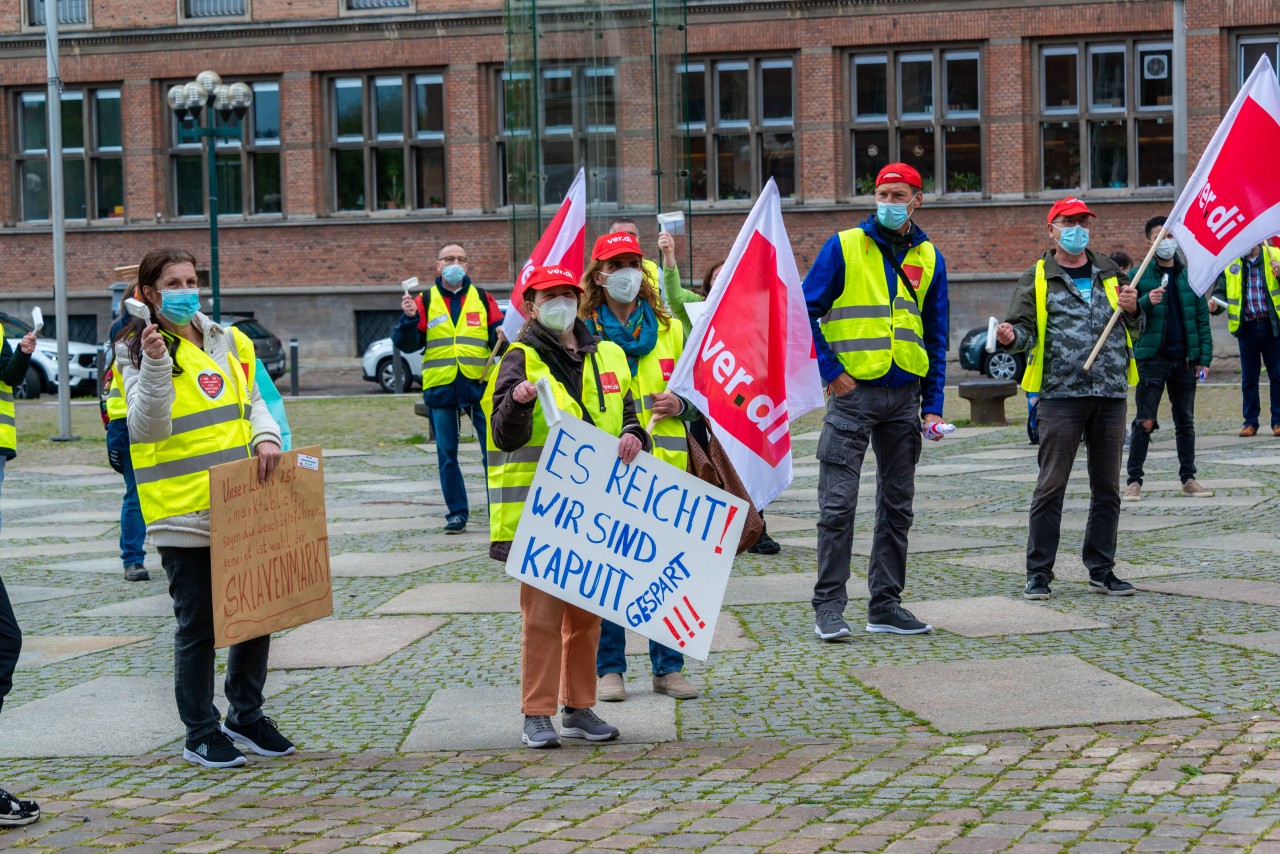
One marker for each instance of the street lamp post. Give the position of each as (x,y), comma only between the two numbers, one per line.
(188,101)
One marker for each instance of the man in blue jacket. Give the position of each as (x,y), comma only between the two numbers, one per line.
(878,307)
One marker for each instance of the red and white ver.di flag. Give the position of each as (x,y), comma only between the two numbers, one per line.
(1232,201)
(749,364)
(563,244)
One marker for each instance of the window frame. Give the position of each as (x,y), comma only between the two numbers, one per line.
(893,123)
(88,154)
(29,25)
(1249,37)
(345,9)
(410,141)
(185,18)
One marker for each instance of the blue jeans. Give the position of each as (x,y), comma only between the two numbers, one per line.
(1258,343)
(444,423)
(133,530)
(611,656)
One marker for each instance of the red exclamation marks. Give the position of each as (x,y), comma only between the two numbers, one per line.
(680,617)
(733,511)
(673,631)
(689,605)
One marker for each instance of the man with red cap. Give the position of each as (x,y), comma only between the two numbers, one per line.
(878,307)
(1059,310)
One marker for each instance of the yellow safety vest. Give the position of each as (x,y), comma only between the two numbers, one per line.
(511,473)
(451,348)
(8,423)
(868,335)
(670,440)
(116,408)
(1234,275)
(1034,374)
(210,426)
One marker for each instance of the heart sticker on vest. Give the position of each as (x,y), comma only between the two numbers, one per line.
(210,383)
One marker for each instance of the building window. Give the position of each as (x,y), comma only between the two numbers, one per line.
(574,110)
(1253,48)
(1106,115)
(214,8)
(248,168)
(361,5)
(92,155)
(70,12)
(739,115)
(921,107)
(387,149)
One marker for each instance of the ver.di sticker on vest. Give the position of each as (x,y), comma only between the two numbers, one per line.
(210,383)
(667,366)
(473,319)
(609,381)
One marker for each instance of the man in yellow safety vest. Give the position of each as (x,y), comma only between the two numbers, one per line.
(1249,291)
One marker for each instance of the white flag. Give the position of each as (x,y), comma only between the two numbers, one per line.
(563,244)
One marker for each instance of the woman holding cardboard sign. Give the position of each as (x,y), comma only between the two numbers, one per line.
(620,304)
(591,380)
(193,403)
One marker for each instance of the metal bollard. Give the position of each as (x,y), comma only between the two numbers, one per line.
(293,367)
(397,372)
(101,363)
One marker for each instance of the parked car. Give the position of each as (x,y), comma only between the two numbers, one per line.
(377,366)
(265,343)
(42,374)
(1000,365)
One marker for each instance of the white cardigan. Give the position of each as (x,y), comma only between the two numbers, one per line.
(149,393)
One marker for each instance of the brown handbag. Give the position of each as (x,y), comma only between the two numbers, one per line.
(713,466)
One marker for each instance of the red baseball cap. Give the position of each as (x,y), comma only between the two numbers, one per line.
(899,172)
(1070,206)
(618,243)
(541,278)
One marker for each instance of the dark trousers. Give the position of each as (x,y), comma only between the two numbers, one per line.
(888,419)
(1258,344)
(10,634)
(1062,422)
(1154,376)
(191,586)
(444,423)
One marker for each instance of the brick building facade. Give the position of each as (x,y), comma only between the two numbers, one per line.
(1040,98)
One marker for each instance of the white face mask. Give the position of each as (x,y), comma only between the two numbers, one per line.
(623,285)
(1166,248)
(558,313)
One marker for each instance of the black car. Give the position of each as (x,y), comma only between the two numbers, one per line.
(1000,365)
(265,343)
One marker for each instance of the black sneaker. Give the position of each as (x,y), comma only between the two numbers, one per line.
(897,621)
(262,737)
(136,572)
(15,812)
(215,750)
(1111,586)
(765,545)
(1037,588)
(830,626)
(455,524)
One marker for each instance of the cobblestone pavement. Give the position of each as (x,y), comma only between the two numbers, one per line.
(790,748)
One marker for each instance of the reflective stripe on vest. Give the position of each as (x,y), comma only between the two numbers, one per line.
(8,423)
(510,473)
(670,439)
(116,408)
(451,348)
(1033,377)
(209,426)
(1235,287)
(867,333)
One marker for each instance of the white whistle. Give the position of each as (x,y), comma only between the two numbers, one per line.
(409,284)
(37,319)
(547,398)
(991,334)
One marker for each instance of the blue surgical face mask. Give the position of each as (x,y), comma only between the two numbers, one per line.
(1073,239)
(179,305)
(453,275)
(892,215)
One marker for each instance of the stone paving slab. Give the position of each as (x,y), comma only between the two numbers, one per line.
(22,594)
(972,432)
(1149,485)
(358,477)
(1213,441)
(159,605)
(348,643)
(1224,589)
(16,531)
(407,461)
(382,564)
(39,650)
(102,565)
(778,523)
(1251,541)
(1254,461)
(947,469)
(993,616)
(78,517)
(57,550)
(917,543)
(1012,693)
(13,505)
(1070,522)
(477,533)
(1261,641)
(1193,505)
(493,719)
(1003,454)
(343,452)
(388,510)
(1069,566)
(69,471)
(790,587)
(730,636)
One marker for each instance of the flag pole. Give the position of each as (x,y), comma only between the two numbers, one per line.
(1111,324)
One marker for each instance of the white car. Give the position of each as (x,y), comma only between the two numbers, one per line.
(378,367)
(42,373)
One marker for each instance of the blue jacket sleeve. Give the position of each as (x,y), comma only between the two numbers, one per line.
(821,288)
(406,336)
(936,315)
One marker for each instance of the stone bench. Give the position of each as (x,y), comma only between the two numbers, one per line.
(986,399)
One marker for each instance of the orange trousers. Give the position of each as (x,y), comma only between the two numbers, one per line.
(558,654)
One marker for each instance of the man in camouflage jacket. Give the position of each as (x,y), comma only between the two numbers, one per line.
(1080,291)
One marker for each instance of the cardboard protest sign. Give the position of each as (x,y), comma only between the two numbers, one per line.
(270,547)
(646,546)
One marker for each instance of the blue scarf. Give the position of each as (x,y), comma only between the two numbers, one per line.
(637,337)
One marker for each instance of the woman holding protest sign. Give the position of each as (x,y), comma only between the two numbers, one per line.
(620,304)
(590,379)
(193,402)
